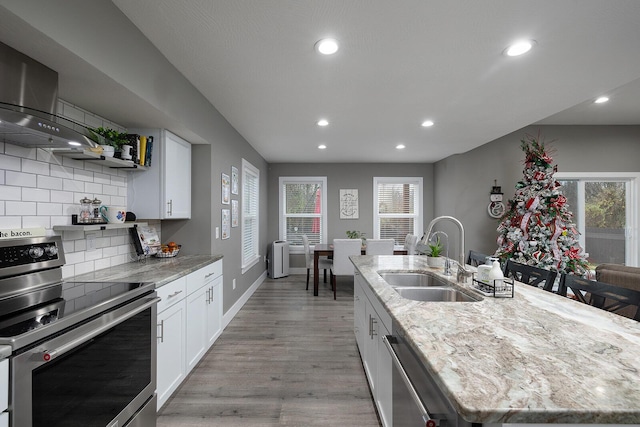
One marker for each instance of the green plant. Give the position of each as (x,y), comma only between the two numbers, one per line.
(356,235)
(109,137)
(436,248)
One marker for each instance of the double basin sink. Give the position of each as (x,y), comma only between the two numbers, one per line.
(419,286)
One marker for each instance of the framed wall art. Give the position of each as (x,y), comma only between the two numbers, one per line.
(235,180)
(349,204)
(226,230)
(234,213)
(226,189)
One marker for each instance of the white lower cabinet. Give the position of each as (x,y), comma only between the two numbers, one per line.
(204,311)
(4,393)
(189,322)
(371,323)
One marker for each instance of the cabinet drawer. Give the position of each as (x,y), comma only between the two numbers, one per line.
(200,277)
(171,293)
(4,384)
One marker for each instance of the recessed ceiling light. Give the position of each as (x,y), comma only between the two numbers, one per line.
(323,122)
(327,46)
(400,147)
(519,48)
(601,100)
(322,147)
(427,123)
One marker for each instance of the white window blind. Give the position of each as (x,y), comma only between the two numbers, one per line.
(397,208)
(250,215)
(303,209)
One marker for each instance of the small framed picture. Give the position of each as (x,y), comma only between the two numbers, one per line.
(234,213)
(226,230)
(226,189)
(235,180)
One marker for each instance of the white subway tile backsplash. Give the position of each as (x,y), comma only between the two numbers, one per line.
(20,179)
(39,189)
(32,166)
(61,171)
(82,175)
(36,221)
(10,162)
(35,195)
(50,182)
(10,193)
(21,208)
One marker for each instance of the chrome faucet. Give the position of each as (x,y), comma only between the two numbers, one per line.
(447,263)
(461,258)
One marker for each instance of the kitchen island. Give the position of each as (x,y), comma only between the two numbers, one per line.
(534,358)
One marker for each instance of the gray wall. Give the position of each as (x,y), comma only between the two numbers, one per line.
(462,183)
(346,175)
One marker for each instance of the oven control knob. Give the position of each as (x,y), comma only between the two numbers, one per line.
(51,250)
(36,252)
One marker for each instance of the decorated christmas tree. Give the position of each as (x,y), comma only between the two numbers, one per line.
(537,228)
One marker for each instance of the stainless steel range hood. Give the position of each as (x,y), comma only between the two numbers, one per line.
(28,103)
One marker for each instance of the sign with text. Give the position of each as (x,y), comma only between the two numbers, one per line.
(15,233)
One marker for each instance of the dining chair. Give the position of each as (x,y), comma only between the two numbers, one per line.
(602,295)
(342,266)
(531,275)
(380,246)
(323,263)
(476,258)
(410,242)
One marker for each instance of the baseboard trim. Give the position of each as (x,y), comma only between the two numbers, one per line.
(231,313)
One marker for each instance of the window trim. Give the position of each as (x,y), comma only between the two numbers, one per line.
(248,168)
(632,180)
(416,180)
(322,180)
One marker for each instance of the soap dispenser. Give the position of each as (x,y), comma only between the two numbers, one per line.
(496,276)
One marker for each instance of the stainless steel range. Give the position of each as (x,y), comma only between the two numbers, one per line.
(82,353)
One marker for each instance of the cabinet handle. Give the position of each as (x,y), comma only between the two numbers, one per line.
(170,210)
(209,275)
(373,329)
(174,294)
(161,331)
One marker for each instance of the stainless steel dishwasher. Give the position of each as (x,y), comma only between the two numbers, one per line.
(417,400)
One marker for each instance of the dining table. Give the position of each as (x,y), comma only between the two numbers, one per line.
(326,249)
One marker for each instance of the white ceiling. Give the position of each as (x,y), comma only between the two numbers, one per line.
(399,63)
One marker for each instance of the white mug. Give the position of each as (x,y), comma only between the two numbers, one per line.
(113,214)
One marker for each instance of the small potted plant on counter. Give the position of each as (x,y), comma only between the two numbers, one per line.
(433,256)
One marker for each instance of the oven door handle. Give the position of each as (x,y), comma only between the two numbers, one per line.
(426,417)
(48,355)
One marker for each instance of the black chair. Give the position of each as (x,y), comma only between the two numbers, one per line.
(476,258)
(530,275)
(601,295)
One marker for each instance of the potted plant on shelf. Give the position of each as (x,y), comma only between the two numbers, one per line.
(433,256)
(357,235)
(111,141)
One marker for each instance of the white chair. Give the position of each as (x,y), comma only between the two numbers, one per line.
(410,242)
(342,266)
(380,246)
(323,263)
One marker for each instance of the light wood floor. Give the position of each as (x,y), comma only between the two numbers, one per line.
(287,358)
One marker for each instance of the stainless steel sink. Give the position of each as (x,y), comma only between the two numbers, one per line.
(413,279)
(435,294)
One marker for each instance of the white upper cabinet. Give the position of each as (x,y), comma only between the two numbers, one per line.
(163,191)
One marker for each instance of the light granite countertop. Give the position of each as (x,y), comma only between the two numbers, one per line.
(158,270)
(534,358)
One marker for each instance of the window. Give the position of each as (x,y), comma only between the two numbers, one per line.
(303,210)
(250,215)
(397,208)
(604,207)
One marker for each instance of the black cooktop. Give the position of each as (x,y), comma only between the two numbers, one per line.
(74,297)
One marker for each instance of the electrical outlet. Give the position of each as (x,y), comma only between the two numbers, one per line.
(91,242)
(234,283)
